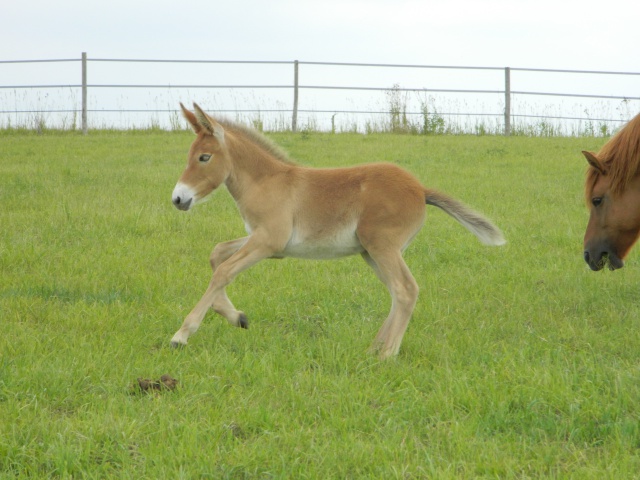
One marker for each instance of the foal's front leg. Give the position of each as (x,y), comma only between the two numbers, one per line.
(222,304)
(228,260)
(224,250)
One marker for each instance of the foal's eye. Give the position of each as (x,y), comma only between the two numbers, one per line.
(204,157)
(596,201)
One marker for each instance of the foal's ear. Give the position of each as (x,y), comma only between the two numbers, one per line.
(209,124)
(594,161)
(191,118)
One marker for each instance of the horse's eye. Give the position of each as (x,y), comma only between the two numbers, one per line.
(596,201)
(204,157)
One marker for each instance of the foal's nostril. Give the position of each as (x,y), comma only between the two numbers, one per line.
(181,204)
(182,197)
(586,256)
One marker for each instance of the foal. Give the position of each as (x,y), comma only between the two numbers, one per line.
(295,211)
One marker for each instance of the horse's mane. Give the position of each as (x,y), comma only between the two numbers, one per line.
(257,139)
(620,157)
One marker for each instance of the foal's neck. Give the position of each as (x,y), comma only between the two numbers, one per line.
(250,165)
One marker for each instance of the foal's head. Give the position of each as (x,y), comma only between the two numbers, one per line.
(208,162)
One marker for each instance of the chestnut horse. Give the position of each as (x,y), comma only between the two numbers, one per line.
(294,211)
(613,195)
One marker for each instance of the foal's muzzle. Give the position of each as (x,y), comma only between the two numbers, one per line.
(182,204)
(183,197)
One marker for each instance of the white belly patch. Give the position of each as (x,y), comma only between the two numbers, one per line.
(341,243)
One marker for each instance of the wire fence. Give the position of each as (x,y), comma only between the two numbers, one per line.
(343,90)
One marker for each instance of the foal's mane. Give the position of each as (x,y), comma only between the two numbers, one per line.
(257,139)
(620,157)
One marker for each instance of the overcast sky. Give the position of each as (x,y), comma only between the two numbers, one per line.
(574,34)
(556,34)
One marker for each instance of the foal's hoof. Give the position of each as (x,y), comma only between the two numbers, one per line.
(175,344)
(383,353)
(243,322)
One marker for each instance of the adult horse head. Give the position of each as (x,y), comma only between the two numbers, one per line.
(612,192)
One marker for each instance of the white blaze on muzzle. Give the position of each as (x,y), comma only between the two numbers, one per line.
(183,197)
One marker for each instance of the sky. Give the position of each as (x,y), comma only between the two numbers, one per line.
(554,34)
(572,34)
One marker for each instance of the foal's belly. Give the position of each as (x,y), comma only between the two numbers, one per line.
(336,244)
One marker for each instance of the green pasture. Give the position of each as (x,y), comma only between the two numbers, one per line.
(519,362)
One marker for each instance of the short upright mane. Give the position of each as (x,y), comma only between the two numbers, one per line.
(257,138)
(620,157)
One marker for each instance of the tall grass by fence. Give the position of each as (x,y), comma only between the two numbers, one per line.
(401,112)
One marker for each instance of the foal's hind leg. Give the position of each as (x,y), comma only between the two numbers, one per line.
(228,259)
(391,269)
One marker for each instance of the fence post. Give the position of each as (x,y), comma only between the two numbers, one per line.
(294,119)
(507,101)
(84,93)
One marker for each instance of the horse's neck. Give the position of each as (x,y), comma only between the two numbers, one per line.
(250,166)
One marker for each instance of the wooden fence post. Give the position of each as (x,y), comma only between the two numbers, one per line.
(84,93)
(294,119)
(507,101)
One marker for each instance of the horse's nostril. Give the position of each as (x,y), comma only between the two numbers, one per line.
(586,256)
(181,204)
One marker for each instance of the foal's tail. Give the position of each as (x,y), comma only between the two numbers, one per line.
(482,228)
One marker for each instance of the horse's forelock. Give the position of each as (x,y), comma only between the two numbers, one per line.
(620,156)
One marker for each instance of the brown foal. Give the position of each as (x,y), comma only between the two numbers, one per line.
(289,210)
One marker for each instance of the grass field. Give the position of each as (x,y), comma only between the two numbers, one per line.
(519,362)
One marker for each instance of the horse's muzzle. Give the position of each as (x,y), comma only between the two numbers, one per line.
(181,204)
(598,260)
(183,197)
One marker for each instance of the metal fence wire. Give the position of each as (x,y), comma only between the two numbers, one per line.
(290,84)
